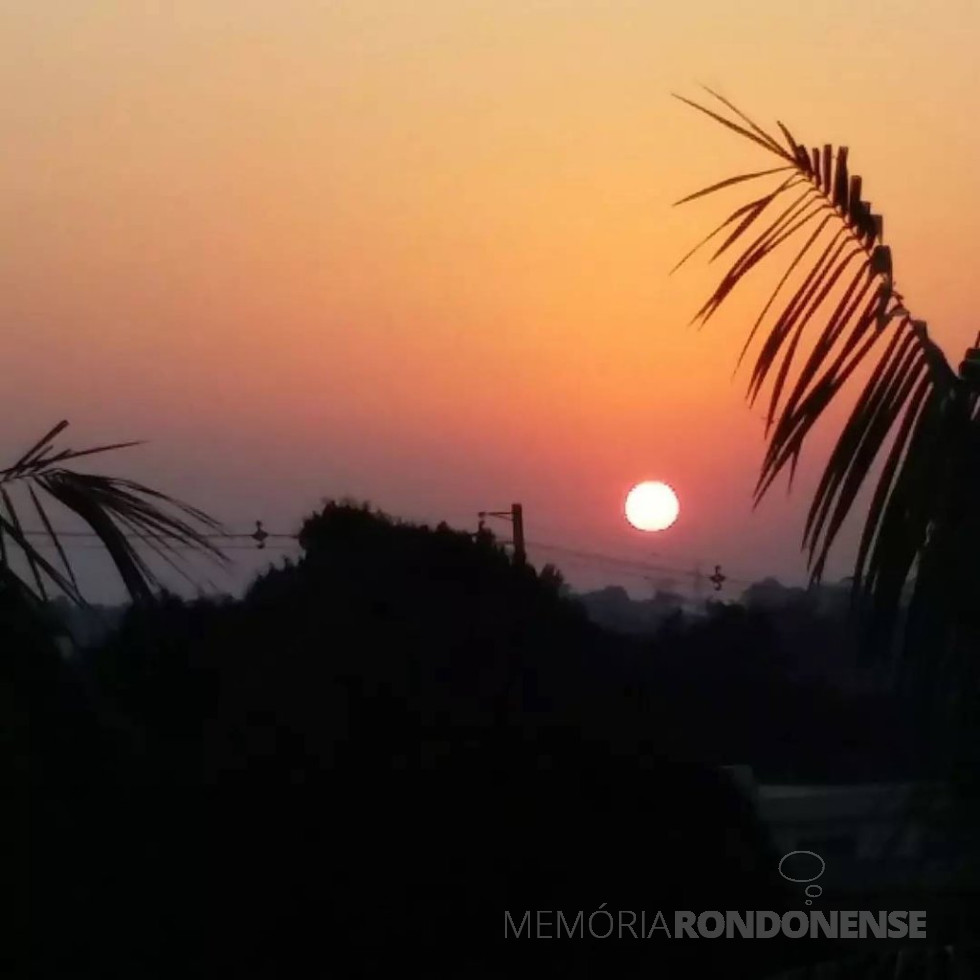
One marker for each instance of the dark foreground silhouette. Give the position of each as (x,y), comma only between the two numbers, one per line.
(361,769)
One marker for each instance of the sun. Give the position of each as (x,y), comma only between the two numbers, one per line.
(652,506)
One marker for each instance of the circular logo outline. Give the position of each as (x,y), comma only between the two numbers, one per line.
(802,881)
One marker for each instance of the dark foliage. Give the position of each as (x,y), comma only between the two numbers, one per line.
(381,749)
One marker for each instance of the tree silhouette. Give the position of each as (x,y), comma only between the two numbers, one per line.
(409,734)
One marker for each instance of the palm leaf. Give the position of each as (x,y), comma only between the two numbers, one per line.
(42,513)
(729,181)
(114,509)
(829,326)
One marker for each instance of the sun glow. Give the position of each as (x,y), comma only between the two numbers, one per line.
(652,506)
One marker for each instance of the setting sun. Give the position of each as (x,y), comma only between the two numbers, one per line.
(652,506)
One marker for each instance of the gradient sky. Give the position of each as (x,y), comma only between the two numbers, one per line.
(418,252)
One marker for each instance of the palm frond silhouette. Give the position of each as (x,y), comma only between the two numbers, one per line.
(834,310)
(115,510)
(916,418)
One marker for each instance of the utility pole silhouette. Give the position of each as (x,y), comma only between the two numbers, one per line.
(516,516)
(515,667)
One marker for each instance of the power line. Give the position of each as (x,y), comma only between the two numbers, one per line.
(604,558)
(146,537)
(279,541)
(169,546)
(628,563)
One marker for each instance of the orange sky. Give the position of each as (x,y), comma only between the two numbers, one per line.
(418,252)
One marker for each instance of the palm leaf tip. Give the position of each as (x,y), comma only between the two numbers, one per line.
(115,510)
